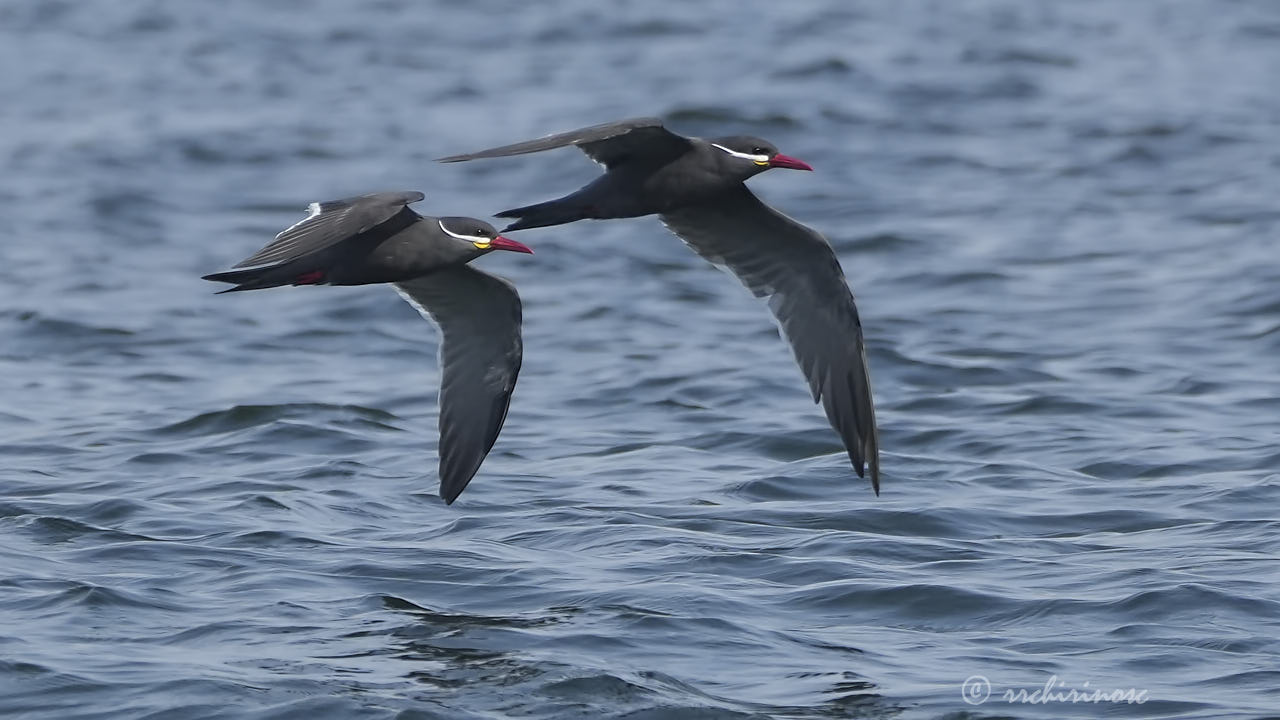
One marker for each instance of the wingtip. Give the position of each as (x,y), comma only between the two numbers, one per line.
(867,470)
(451,489)
(872,474)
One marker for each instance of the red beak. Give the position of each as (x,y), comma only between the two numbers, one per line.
(501,243)
(786,161)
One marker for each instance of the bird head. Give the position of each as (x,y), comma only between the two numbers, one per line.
(751,155)
(479,236)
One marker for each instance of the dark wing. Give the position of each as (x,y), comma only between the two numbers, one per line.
(795,268)
(608,143)
(479,316)
(330,223)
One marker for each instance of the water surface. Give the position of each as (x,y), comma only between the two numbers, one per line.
(1059,220)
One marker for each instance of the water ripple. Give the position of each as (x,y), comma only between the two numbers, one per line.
(1059,224)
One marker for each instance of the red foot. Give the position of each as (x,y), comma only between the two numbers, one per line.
(311,278)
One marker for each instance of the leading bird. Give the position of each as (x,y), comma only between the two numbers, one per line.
(696,188)
(377,239)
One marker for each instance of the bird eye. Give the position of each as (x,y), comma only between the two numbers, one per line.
(758,150)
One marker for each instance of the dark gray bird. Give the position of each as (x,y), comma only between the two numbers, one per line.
(696,188)
(378,239)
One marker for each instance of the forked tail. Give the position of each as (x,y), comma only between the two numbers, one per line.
(268,277)
(552,212)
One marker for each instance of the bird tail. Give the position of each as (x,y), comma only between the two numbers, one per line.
(264,277)
(552,212)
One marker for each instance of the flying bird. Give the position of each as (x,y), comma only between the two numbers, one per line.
(377,239)
(696,189)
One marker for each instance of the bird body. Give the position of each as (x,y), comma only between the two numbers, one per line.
(373,239)
(696,188)
(649,171)
(634,190)
(362,241)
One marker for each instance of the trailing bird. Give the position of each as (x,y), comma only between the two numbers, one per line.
(696,189)
(377,239)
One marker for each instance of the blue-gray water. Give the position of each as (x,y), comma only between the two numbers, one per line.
(1060,223)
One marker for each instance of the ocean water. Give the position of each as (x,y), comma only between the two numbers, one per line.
(1059,219)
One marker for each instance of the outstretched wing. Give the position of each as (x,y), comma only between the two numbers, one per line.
(332,222)
(609,144)
(479,316)
(795,268)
